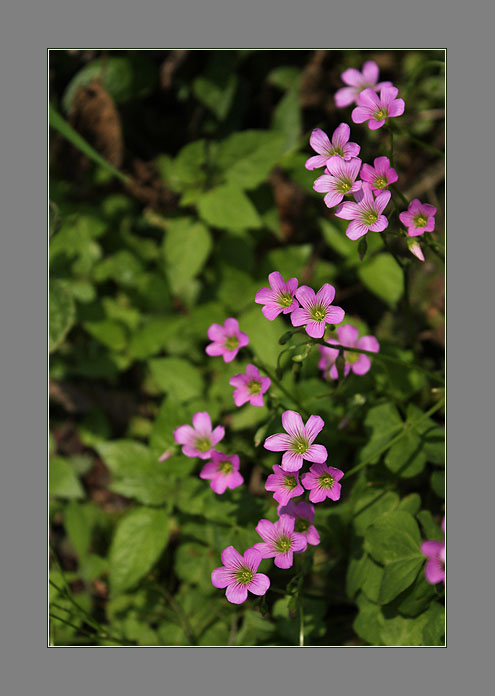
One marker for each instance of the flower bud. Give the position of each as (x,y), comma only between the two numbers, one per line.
(415,248)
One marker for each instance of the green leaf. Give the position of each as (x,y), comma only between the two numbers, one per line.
(58,123)
(248,157)
(227,207)
(78,527)
(432,436)
(187,169)
(288,260)
(135,470)
(123,267)
(63,481)
(187,245)
(139,540)
(370,505)
(177,377)
(216,88)
(384,423)
(431,529)
(434,629)
(382,275)
(411,503)
(406,457)
(61,313)
(124,77)
(437,480)
(263,334)
(109,333)
(194,563)
(394,541)
(149,339)
(287,116)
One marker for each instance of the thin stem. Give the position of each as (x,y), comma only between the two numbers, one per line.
(391,131)
(276,381)
(379,356)
(407,427)
(301,623)
(407,302)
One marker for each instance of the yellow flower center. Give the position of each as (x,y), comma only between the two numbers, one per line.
(244,575)
(318,313)
(231,342)
(226,467)
(203,444)
(326,481)
(283,544)
(301,525)
(380,182)
(420,221)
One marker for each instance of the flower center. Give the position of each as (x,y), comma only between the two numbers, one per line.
(203,444)
(318,312)
(283,544)
(326,481)
(420,221)
(231,342)
(336,150)
(301,525)
(381,114)
(343,185)
(300,445)
(290,482)
(254,387)
(244,575)
(351,357)
(369,217)
(285,299)
(380,182)
(225,467)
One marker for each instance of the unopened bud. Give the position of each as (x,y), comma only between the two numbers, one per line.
(415,248)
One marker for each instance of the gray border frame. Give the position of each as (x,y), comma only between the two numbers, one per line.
(28,666)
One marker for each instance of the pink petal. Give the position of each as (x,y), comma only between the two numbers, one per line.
(284,560)
(362,365)
(277,282)
(237,594)
(341,135)
(219,484)
(370,72)
(221,577)
(316,162)
(374,125)
(306,297)
(382,165)
(265,295)
(256,400)
(347,335)
(216,333)
(429,209)
(325,294)
(320,142)
(315,329)
(380,225)
(217,434)
(252,558)
(192,452)
(214,349)
(229,355)
(278,443)
(291,461)
(353,167)
(332,199)
(231,558)
(368,173)
(266,530)
(382,200)
(361,114)
(316,453)
(265,549)
(356,230)
(271,311)
(238,381)
(312,536)
(335,314)
(259,584)
(231,326)
(241,396)
(300,316)
(430,225)
(234,480)
(396,108)
(291,285)
(345,96)
(351,150)
(432,549)
(243,339)
(353,77)
(347,211)
(184,434)
(336,473)
(209,470)
(434,571)
(309,480)
(313,427)
(323,183)
(369,99)
(368,343)
(318,495)
(334,492)
(406,218)
(265,384)
(293,423)
(299,542)
(202,422)
(388,93)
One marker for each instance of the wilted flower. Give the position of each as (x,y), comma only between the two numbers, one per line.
(250,387)
(279,297)
(198,441)
(238,574)
(297,442)
(357,362)
(316,310)
(280,541)
(376,109)
(222,472)
(339,145)
(303,514)
(357,82)
(380,175)
(227,339)
(339,180)
(323,482)
(365,213)
(284,484)
(419,218)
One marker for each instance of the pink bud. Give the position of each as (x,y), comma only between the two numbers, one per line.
(415,248)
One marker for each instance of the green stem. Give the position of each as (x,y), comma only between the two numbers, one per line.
(301,623)
(276,381)
(407,427)
(391,131)
(379,356)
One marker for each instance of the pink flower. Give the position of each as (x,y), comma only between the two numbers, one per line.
(419,218)
(238,574)
(358,81)
(279,297)
(199,440)
(303,514)
(298,443)
(316,310)
(250,387)
(365,213)
(435,553)
(357,362)
(280,541)
(339,180)
(286,485)
(376,109)
(222,472)
(380,175)
(322,482)
(227,339)
(340,146)
(415,248)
